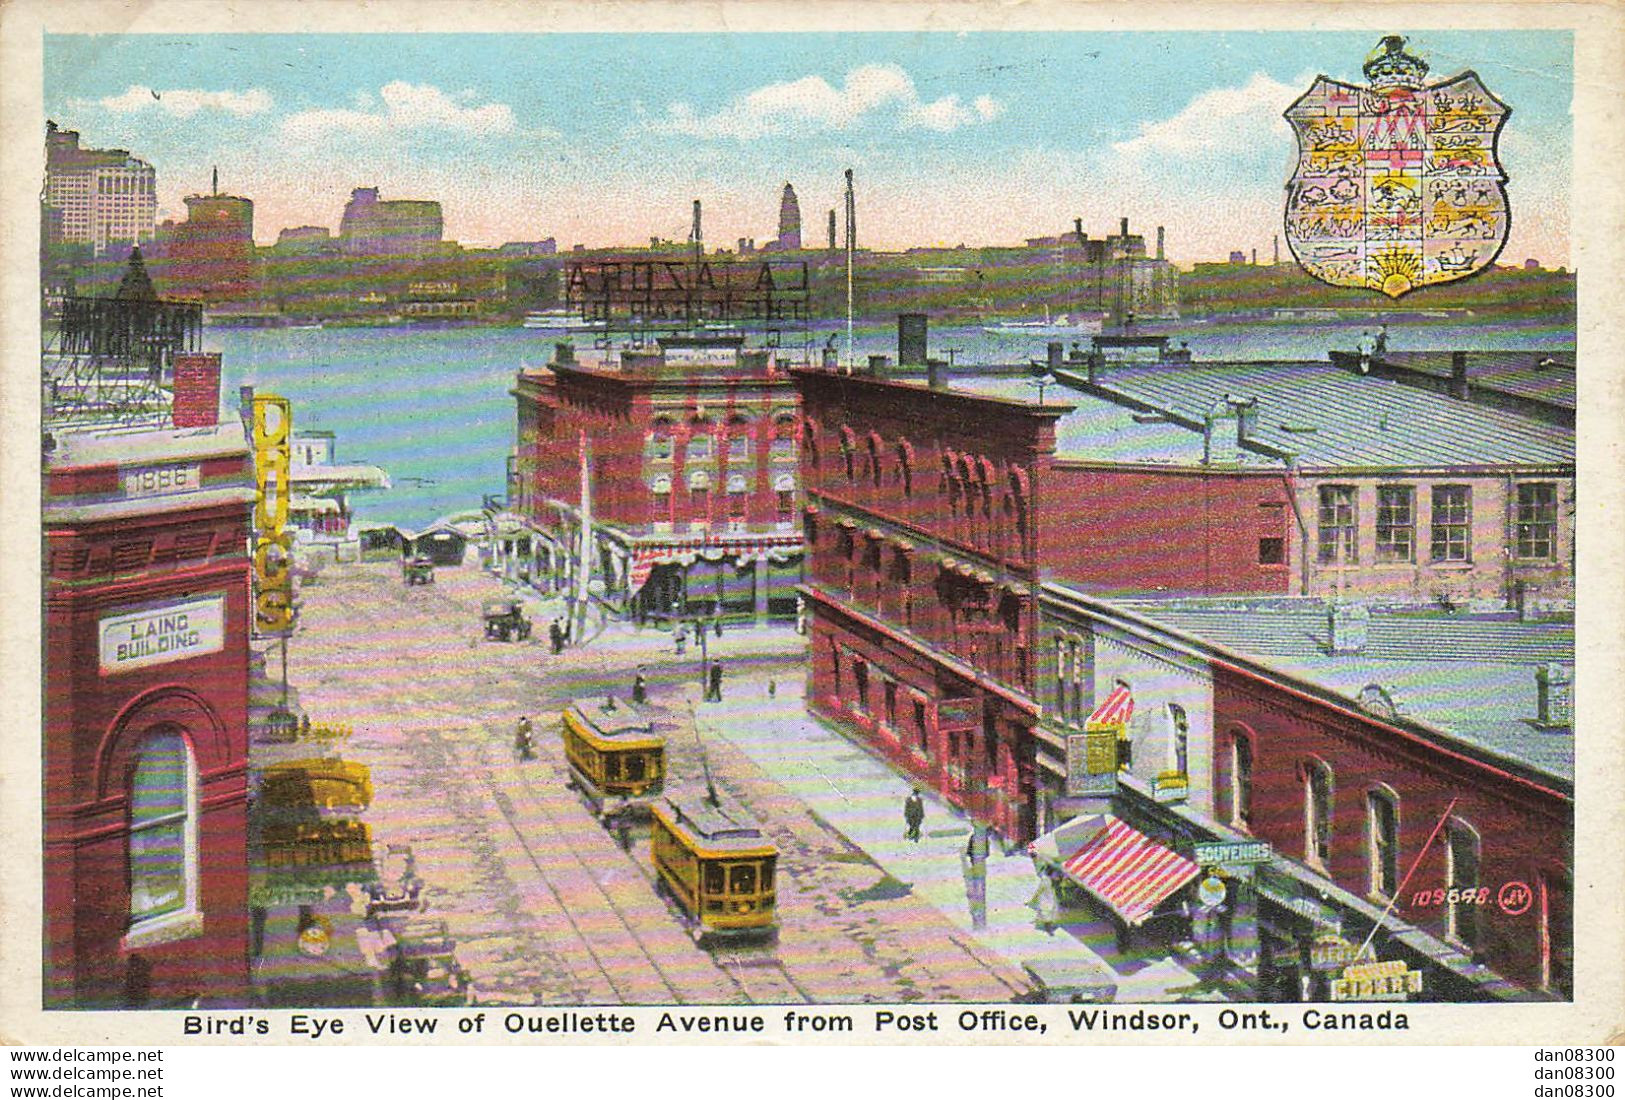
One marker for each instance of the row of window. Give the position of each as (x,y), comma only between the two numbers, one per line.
(1450,522)
(736,439)
(1462,893)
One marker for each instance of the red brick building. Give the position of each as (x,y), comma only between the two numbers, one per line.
(924,533)
(211,254)
(147,618)
(694,493)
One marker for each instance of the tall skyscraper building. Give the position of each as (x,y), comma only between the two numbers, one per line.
(211,254)
(374,226)
(104,196)
(789,220)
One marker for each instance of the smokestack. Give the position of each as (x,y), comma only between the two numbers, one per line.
(1159,242)
(1458,375)
(1123,227)
(1255,257)
(1277,250)
(851,215)
(217,179)
(832,229)
(1077,228)
(699,247)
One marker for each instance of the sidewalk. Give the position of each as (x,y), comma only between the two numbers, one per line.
(862,798)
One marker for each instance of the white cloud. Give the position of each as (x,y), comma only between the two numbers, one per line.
(1218,121)
(186,102)
(812,104)
(403,107)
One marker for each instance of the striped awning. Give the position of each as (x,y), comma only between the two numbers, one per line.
(1115,710)
(1128,871)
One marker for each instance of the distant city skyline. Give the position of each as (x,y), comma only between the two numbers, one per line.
(976,139)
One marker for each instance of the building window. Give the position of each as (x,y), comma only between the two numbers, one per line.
(786,507)
(1396,523)
(1461,882)
(860,677)
(699,503)
(1452,522)
(1537,520)
(1338,524)
(1241,781)
(738,439)
(1556,936)
(891,703)
(1317,816)
(1382,843)
(660,499)
(163,832)
(699,440)
(920,730)
(660,439)
(1179,728)
(1272,551)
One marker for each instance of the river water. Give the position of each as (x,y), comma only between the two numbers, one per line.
(431,404)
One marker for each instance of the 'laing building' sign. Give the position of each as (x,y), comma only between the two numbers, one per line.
(172,632)
(273,539)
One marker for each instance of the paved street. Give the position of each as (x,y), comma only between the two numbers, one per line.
(544,904)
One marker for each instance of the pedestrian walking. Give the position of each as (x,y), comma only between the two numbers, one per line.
(555,636)
(640,687)
(913,815)
(713,690)
(523,746)
(681,639)
(719,624)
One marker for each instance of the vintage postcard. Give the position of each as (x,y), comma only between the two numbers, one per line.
(866,524)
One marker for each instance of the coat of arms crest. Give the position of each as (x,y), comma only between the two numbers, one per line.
(1397,184)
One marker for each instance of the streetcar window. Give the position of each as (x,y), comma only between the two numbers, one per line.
(742,879)
(715,879)
(612,766)
(634,767)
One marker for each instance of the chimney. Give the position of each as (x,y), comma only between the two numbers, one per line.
(196,402)
(1219,436)
(216,179)
(1347,625)
(1246,419)
(699,238)
(1123,227)
(1159,242)
(742,243)
(1554,697)
(912,339)
(1077,229)
(1277,250)
(1458,375)
(933,374)
(1255,257)
(1056,352)
(832,230)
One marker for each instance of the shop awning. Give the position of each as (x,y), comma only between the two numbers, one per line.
(1115,710)
(1127,871)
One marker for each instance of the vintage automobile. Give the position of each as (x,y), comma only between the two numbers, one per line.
(417,571)
(426,971)
(505,620)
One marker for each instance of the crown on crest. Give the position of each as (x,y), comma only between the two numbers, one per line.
(1389,66)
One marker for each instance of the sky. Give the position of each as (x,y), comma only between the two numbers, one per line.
(969,138)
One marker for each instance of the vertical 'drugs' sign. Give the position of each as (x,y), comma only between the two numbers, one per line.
(273,540)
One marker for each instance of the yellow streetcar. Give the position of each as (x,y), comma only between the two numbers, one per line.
(616,758)
(718,866)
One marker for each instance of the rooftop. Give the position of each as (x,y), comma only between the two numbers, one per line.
(1471,677)
(1097,430)
(127,447)
(1536,375)
(1333,419)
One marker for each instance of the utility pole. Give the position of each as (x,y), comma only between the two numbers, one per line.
(851,249)
(584,561)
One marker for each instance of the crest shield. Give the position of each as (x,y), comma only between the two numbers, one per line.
(1397,184)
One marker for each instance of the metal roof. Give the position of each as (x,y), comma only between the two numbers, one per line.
(1537,375)
(1471,677)
(1334,419)
(1099,430)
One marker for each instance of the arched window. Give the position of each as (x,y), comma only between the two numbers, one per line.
(1382,842)
(699,439)
(736,500)
(784,495)
(905,468)
(1317,813)
(660,437)
(1179,730)
(849,447)
(1462,853)
(699,497)
(1241,780)
(163,852)
(738,439)
(660,499)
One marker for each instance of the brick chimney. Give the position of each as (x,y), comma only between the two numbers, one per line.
(1458,375)
(1123,230)
(1554,697)
(196,402)
(1159,242)
(1347,625)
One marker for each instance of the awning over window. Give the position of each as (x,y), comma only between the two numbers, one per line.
(1119,866)
(1115,710)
